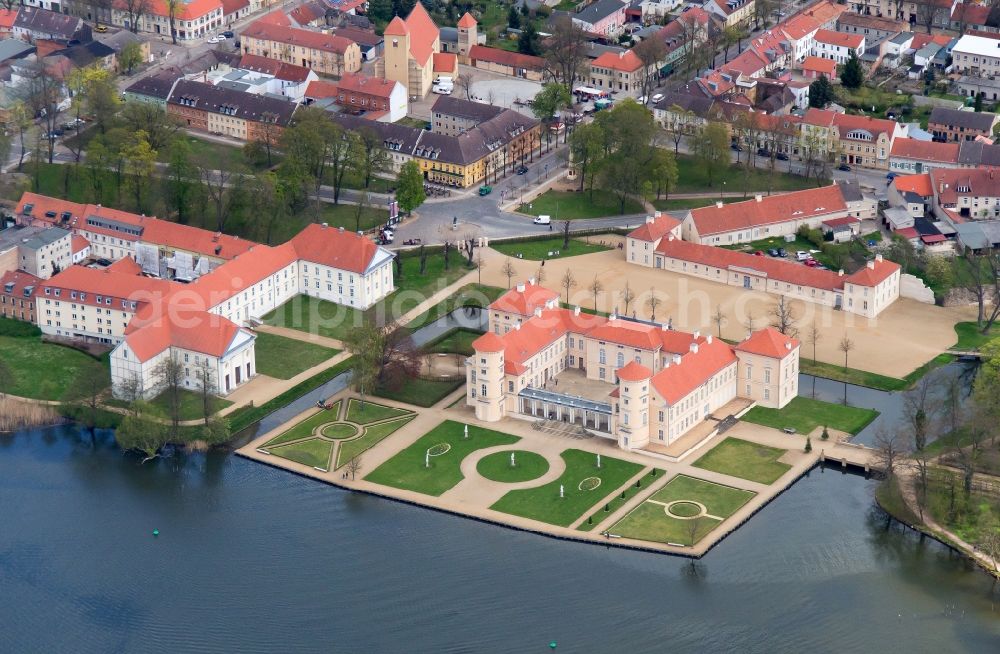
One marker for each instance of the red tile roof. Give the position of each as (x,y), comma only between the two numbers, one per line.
(977,182)
(819,117)
(769,210)
(276,17)
(777,269)
(679,380)
(837,222)
(421,29)
(79,243)
(126,266)
(524,302)
(445,62)
(769,342)
(467,20)
(359,83)
(236,275)
(267,31)
(920,40)
(335,248)
(488,342)
(919,184)
(7,17)
(20,279)
(626,61)
(827,67)
(192,10)
(642,336)
(925,150)
(850,122)
(840,39)
(655,230)
(874,272)
(198,331)
(633,371)
(119,286)
(321,88)
(506,58)
(275,68)
(908,232)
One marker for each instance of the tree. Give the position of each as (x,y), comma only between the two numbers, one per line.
(587,149)
(890,446)
(84,396)
(821,92)
(719,319)
(507,270)
(812,337)
(353,466)
(681,122)
(626,295)
(206,388)
(513,18)
(663,172)
(628,130)
(809,445)
(41,89)
(173,8)
(852,75)
(20,121)
(169,376)
(565,50)
(711,149)
(223,188)
(140,162)
(547,103)
(650,53)
(134,11)
(749,322)
(528,41)
(410,187)
(464,83)
(565,233)
(652,302)
(783,317)
(160,127)
(182,180)
(384,356)
(142,430)
(595,289)
(130,56)
(929,12)
(845,346)
(917,412)
(568,282)
(373,158)
(540,275)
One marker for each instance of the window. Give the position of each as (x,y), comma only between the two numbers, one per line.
(483,389)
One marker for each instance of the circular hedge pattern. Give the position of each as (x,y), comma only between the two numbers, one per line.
(527,466)
(439,449)
(684,509)
(339,430)
(589,483)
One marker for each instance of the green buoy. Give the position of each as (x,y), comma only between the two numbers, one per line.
(156,532)
(552,645)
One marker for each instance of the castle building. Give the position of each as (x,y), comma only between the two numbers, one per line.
(646,385)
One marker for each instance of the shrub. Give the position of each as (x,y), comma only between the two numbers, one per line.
(18,328)
(826,434)
(809,445)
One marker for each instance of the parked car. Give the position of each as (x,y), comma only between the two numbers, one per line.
(812,263)
(781,156)
(228,34)
(802,255)
(657,97)
(772,252)
(782,253)
(101,29)
(736,146)
(844,167)
(763,152)
(521,170)
(542,220)
(485,189)
(214,39)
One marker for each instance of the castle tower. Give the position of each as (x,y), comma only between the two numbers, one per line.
(484,378)
(397,53)
(632,425)
(468,36)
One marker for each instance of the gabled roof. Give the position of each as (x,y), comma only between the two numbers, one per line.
(467,20)
(981,121)
(626,62)
(839,39)
(654,229)
(523,299)
(925,150)
(267,31)
(874,272)
(826,66)
(445,62)
(335,247)
(768,210)
(220,100)
(488,342)
(22,284)
(275,68)
(768,342)
(506,58)
(358,83)
(450,105)
(79,243)
(198,331)
(44,22)
(421,30)
(596,11)
(952,183)
(365,38)
(678,380)
(7,17)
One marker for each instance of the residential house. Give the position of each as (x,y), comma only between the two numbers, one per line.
(454,116)
(948,125)
(155,87)
(236,10)
(602,17)
(326,54)
(7,18)
(837,46)
(973,85)
(192,20)
(278,77)
(976,55)
(219,110)
(620,73)
(734,13)
(856,140)
(910,156)
(504,62)
(370,43)
(875,29)
(119,39)
(816,67)
(963,193)
(33,25)
(379,99)
(912,193)
(641,242)
(17,290)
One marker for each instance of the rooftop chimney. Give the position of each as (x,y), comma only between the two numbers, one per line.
(694,348)
(657,214)
(517,325)
(531,280)
(538,312)
(677,359)
(878,257)
(324,225)
(871,265)
(718,204)
(758,197)
(840,273)
(788,345)
(576,311)
(340,229)
(650,219)
(708,339)
(613,316)
(697,334)
(520,287)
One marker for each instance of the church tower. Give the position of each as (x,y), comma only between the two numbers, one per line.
(468,36)
(397,53)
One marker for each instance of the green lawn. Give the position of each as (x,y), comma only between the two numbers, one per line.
(457,341)
(421,392)
(408,471)
(339,431)
(774,243)
(190,406)
(314,452)
(317,316)
(371,412)
(283,358)
(650,522)
(871,379)
(547,248)
(680,204)
(746,460)
(805,414)
(213,155)
(372,435)
(305,428)
(44,371)
(571,205)
(544,504)
(971,336)
(527,466)
(693,178)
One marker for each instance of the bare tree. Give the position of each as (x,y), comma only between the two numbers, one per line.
(749,322)
(134,11)
(169,375)
(783,317)
(41,90)
(921,464)
(206,388)
(540,275)
(917,408)
(693,531)
(813,336)
(568,282)
(651,53)
(508,270)
(989,543)
(566,50)
(565,234)
(845,346)
(221,186)
(719,319)
(626,295)
(353,466)
(595,289)
(129,389)
(890,446)
(950,403)
(464,83)
(652,302)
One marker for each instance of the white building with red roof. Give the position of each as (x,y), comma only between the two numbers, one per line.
(193,19)
(619,72)
(837,46)
(173,289)
(379,98)
(646,384)
(327,54)
(641,242)
(764,216)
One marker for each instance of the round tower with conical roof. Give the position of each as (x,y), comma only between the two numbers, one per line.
(484,378)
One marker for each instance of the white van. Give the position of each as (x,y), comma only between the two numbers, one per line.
(542,220)
(443,88)
(657,97)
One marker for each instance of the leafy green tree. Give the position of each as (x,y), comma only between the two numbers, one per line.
(711,149)
(130,57)
(821,92)
(513,18)
(852,75)
(143,430)
(663,172)
(587,148)
(380,11)
(529,42)
(550,100)
(182,180)
(978,106)
(628,132)
(410,187)
(140,162)
(160,128)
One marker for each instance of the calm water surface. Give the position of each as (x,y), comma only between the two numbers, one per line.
(253,559)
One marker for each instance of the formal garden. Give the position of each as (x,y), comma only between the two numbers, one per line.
(739,458)
(805,414)
(326,441)
(682,512)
